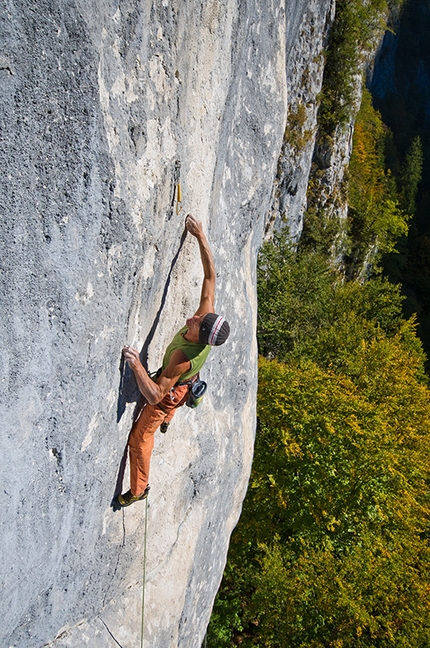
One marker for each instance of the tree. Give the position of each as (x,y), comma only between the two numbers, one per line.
(332,546)
(376,219)
(411,175)
(305,308)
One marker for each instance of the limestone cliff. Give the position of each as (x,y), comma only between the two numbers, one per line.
(305,67)
(100,102)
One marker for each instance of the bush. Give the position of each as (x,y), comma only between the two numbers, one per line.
(332,548)
(374,214)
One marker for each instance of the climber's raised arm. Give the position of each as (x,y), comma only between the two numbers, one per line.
(207,297)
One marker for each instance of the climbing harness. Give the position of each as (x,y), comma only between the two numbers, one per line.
(142,631)
(196,391)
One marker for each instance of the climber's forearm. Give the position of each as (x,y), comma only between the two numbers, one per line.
(154,392)
(206,257)
(207,297)
(147,386)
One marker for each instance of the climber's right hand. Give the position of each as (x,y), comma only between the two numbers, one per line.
(193,226)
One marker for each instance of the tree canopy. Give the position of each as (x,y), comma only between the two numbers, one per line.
(332,546)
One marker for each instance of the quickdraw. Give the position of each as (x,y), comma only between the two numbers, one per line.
(177,192)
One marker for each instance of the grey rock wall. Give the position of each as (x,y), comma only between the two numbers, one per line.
(100,100)
(331,157)
(305,67)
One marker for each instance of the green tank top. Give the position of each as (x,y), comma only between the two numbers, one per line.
(196,353)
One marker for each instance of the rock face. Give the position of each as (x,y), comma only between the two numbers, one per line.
(104,105)
(305,67)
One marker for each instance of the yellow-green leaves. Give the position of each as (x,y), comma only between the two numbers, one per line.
(332,548)
(376,219)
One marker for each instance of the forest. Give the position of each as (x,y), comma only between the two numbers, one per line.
(332,547)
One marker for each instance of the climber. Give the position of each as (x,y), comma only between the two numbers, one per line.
(183,359)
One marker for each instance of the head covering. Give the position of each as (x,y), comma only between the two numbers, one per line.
(214,330)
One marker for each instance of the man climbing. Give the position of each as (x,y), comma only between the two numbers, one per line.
(183,359)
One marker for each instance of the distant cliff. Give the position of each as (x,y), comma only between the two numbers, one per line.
(104,106)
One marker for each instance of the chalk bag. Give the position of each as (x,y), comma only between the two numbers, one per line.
(197,391)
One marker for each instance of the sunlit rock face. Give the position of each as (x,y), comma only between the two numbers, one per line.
(104,107)
(305,67)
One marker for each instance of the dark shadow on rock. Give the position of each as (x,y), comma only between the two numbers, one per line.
(128,391)
(119,480)
(150,336)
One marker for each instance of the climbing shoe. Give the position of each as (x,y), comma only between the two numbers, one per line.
(164,426)
(128,497)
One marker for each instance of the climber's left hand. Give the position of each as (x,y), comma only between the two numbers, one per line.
(132,357)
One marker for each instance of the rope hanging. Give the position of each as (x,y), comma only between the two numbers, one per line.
(142,631)
(178,197)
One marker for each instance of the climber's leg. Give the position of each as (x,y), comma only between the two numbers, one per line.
(140,445)
(141,440)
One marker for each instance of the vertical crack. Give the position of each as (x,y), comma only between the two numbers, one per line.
(128,391)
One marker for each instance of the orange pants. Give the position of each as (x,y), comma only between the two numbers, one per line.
(141,441)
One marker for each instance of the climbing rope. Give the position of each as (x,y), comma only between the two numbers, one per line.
(178,197)
(142,630)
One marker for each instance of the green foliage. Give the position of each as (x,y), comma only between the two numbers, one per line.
(404,110)
(306,309)
(322,233)
(411,175)
(295,135)
(330,443)
(372,597)
(375,217)
(376,220)
(287,314)
(332,548)
(355,27)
